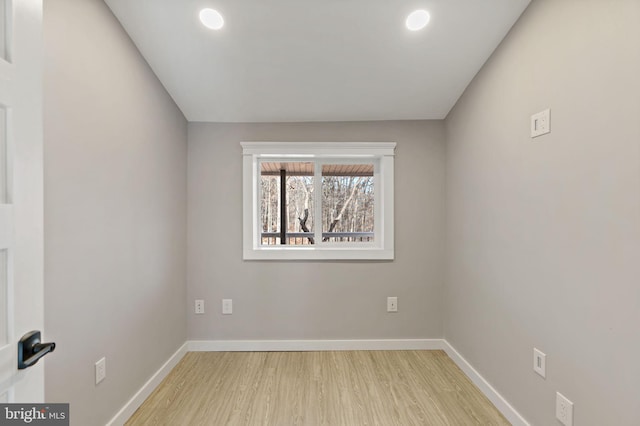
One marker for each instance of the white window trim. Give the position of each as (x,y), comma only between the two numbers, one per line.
(383,246)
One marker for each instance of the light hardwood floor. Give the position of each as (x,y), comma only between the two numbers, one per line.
(348,388)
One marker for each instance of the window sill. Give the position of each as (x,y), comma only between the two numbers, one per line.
(315,253)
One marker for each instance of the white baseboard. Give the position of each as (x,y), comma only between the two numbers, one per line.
(318,345)
(313,345)
(485,387)
(136,401)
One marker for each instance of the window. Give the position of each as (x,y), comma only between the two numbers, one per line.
(318,200)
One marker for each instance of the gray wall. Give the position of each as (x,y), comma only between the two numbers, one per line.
(543,235)
(315,300)
(115,203)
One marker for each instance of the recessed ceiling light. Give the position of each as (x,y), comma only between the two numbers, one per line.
(211,19)
(417,20)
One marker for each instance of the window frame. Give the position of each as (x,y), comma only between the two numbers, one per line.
(381,154)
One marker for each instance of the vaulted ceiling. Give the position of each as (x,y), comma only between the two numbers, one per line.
(316,60)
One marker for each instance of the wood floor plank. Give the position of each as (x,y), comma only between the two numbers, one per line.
(317,388)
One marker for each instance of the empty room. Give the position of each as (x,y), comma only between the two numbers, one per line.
(412,212)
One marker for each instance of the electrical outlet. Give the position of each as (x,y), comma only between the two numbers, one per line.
(564,410)
(199,308)
(541,123)
(101,370)
(392,304)
(227,306)
(540,362)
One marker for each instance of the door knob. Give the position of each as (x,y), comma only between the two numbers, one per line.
(30,349)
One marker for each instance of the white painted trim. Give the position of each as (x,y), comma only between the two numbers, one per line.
(317,253)
(318,149)
(485,387)
(136,401)
(313,345)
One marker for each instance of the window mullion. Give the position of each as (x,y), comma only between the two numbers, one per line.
(378,212)
(283,207)
(317,202)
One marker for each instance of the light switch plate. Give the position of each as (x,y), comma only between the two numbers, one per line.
(540,362)
(541,123)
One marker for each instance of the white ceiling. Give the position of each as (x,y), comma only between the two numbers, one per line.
(322,60)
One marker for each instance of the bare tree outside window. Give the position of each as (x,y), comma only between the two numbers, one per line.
(347,201)
(298,206)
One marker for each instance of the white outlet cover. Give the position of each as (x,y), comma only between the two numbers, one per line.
(199,306)
(227,306)
(541,123)
(392,304)
(540,362)
(101,370)
(564,410)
